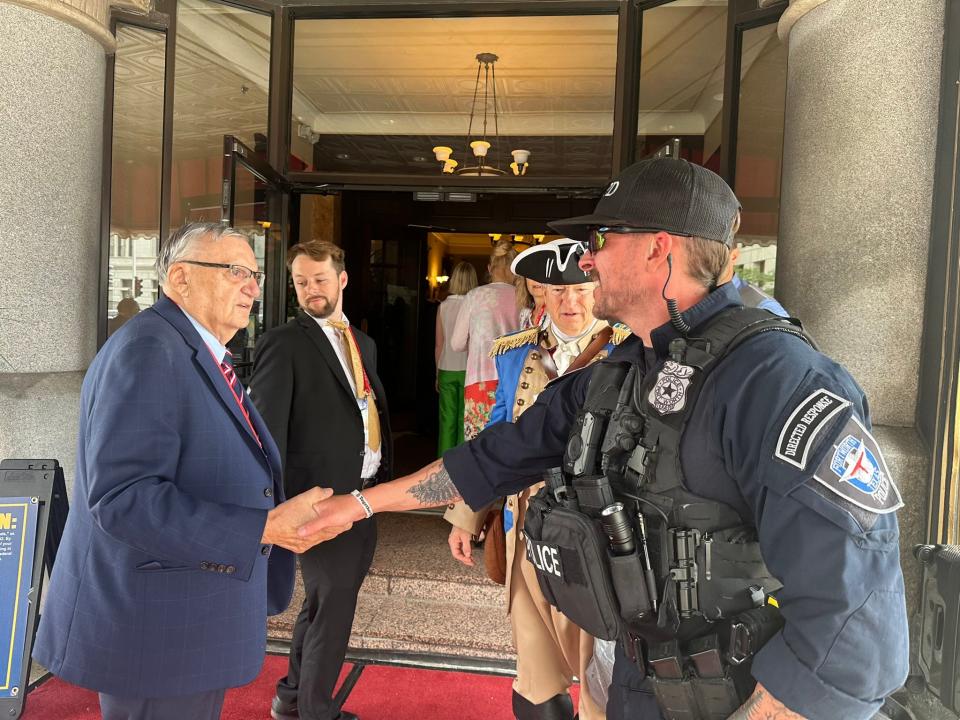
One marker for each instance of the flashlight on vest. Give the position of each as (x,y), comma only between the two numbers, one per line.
(616,525)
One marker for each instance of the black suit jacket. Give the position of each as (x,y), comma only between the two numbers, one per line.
(300,389)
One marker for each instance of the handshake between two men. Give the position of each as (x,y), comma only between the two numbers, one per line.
(296,524)
(317,515)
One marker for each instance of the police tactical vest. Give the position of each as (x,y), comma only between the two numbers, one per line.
(620,543)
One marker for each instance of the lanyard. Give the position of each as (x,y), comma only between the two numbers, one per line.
(367,389)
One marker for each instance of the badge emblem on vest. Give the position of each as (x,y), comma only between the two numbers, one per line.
(669,393)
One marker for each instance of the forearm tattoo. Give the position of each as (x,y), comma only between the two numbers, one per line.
(762,706)
(746,710)
(437,489)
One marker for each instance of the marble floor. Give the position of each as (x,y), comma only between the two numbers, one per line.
(417,600)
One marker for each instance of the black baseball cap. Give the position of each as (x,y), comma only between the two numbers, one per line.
(554,263)
(657,194)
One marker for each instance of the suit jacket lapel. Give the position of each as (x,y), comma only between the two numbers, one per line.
(319,338)
(204,359)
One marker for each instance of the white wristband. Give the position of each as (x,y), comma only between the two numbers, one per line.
(363,503)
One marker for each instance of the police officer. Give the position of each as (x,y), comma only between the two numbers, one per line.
(550,648)
(778,435)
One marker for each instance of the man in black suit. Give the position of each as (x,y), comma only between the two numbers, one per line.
(315,383)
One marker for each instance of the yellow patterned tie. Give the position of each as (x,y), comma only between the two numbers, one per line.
(349,344)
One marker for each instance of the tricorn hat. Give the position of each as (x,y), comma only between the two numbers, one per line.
(554,263)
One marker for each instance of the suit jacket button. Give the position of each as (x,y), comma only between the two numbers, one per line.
(268,492)
(230,570)
(204,565)
(221,568)
(265,550)
(363,452)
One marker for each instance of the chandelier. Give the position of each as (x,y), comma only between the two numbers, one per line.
(480,147)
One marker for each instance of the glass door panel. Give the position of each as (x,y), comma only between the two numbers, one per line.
(682,60)
(132,282)
(760,118)
(252,201)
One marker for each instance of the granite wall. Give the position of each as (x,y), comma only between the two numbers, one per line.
(51,112)
(863,99)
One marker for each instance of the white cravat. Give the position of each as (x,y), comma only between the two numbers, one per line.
(568,347)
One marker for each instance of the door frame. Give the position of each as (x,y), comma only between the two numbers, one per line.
(938,404)
(162,19)
(237,156)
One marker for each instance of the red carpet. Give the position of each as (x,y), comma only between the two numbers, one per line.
(381,693)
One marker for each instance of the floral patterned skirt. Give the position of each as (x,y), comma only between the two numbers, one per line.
(478,400)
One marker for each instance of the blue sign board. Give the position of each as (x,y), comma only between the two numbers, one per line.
(18,534)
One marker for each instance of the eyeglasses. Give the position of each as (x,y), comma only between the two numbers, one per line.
(598,237)
(237,272)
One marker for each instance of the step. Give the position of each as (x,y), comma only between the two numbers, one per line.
(486,593)
(417,599)
(430,627)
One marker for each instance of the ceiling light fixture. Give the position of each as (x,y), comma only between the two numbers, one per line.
(306,132)
(480,147)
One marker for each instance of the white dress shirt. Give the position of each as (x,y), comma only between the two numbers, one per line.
(217,348)
(371,459)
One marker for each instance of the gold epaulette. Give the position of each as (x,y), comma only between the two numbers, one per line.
(530,336)
(620,333)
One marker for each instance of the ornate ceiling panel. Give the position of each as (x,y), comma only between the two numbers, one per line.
(387,90)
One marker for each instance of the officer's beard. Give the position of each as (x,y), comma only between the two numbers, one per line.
(612,304)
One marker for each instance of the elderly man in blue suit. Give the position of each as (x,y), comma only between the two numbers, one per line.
(178,542)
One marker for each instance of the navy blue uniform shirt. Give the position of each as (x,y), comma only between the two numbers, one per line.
(781,433)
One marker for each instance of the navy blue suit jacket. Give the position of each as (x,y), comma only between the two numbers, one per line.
(161,584)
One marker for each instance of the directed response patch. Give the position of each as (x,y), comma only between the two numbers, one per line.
(805,423)
(855,470)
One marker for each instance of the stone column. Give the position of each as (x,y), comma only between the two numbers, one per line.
(859,143)
(51,104)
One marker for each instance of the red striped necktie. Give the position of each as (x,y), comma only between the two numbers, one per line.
(226,367)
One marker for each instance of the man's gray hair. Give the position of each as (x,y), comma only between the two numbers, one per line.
(183,240)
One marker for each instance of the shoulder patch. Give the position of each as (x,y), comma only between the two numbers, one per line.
(620,333)
(514,340)
(804,424)
(855,470)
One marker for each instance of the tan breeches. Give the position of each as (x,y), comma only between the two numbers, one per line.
(550,648)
